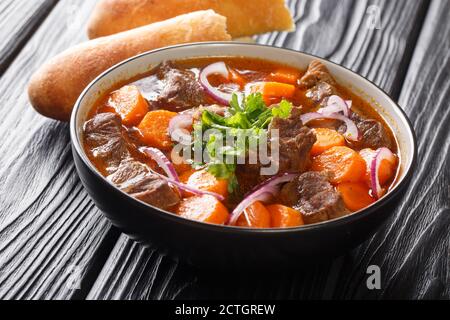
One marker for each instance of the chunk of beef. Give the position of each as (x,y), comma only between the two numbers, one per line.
(248,176)
(313,196)
(127,171)
(104,140)
(317,72)
(321,92)
(295,142)
(374,134)
(180,88)
(108,146)
(319,82)
(321,85)
(136,179)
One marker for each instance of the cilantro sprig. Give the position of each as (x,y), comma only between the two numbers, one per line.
(251,115)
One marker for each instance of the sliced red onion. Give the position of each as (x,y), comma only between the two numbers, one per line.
(336,104)
(352,133)
(381,154)
(219,68)
(162,161)
(349,105)
(190,189)
(178,126)
(173,178)
(263,192)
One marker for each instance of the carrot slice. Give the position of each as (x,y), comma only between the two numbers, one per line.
(284,217)
(184,177)
(343,163)
(326,139)
(285,75)
(180,164)
(274,89)
(385,172)
(205,208)
(182,167)
(255,216)
(154,129)
(205,181)
(129,103)
(356,196)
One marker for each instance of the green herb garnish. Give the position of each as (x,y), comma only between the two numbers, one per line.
(250,118)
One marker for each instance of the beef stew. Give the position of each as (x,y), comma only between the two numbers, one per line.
(333,154)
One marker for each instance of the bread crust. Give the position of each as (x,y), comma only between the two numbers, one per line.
(55,87)
(244,17)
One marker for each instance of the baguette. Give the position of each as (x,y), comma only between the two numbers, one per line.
(244,17)
(55,87)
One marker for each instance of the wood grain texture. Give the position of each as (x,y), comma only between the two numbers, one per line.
(50,231)
(337,30)
(19,19)
(156,276)
(413,250)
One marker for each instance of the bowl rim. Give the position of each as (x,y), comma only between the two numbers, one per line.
(401,184)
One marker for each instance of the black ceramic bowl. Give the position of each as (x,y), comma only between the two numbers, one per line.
(206,245)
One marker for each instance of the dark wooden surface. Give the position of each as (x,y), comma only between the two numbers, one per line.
(51,233)
(49,228)
(19,21)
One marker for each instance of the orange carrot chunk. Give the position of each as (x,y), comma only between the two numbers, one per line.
(205,208)
(255,216)
(274,89)
(285,75)
(326,139)
(180,164)
(184,177)
(129,103)
(205,181)
(356,196)
(154,129)
(182,167)
(386,171)
(284,217)
(343,164)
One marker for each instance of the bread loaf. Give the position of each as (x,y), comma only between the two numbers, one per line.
(55,87)
(244,17)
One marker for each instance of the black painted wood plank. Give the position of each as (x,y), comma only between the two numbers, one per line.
(142,273)
(19,19)
(50,231)
(413,250)
(338,30)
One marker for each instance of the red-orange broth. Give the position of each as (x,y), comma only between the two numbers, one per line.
(351,191)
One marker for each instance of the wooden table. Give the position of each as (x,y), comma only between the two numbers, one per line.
(52,235)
